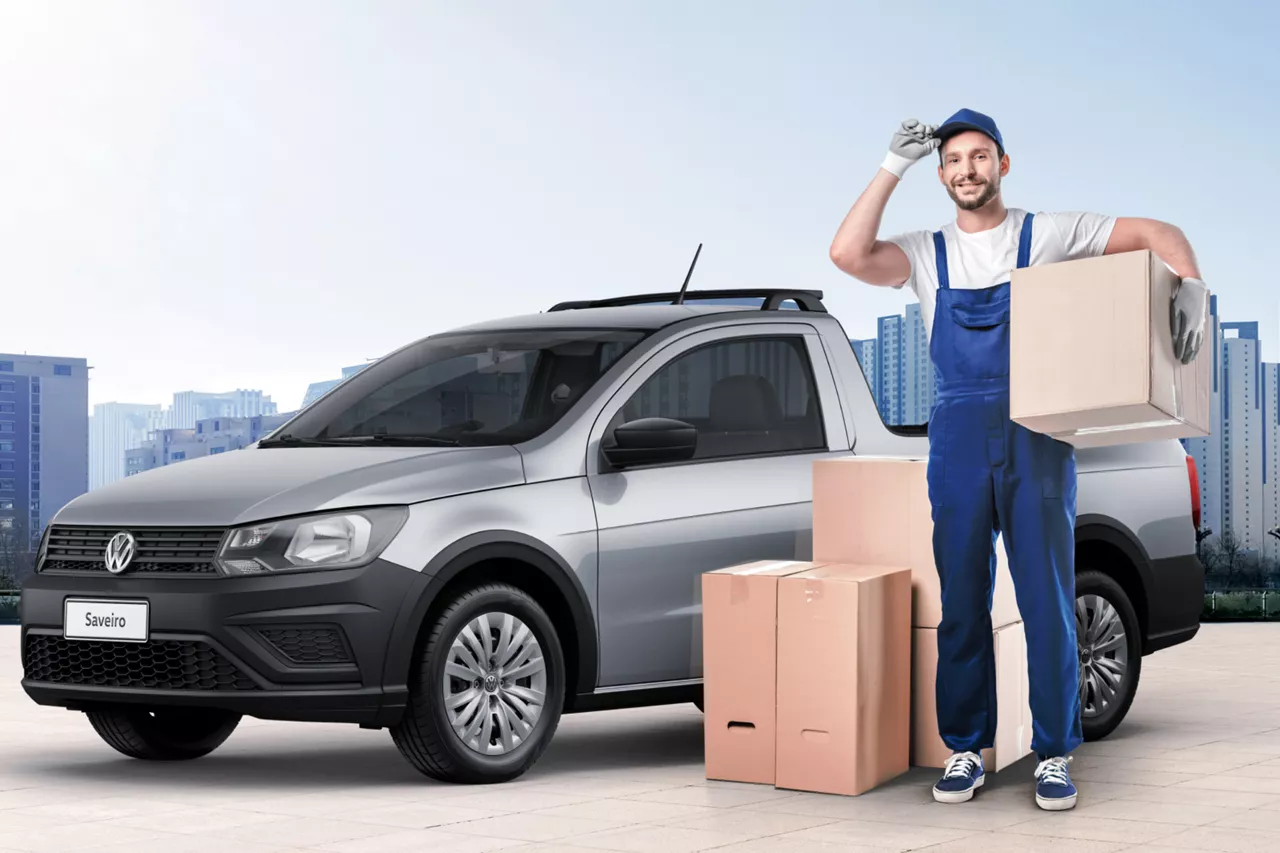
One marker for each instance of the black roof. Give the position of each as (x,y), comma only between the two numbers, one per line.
(656,310)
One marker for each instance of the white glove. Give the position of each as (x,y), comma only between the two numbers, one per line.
(910,144)
(1187,313)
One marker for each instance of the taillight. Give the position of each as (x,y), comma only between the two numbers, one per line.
(1194,476)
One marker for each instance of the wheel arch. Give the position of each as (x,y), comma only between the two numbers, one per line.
(1108,546)
(510,557)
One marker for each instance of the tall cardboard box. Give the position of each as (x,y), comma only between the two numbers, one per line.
(739,653)
(875,510)
(1013,700)
(844,683)
(1091,353)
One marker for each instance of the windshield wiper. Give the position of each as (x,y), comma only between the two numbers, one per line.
(404,440)
(289,440)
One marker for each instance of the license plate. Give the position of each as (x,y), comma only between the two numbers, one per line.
(105,619)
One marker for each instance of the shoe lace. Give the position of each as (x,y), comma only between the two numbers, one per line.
(1054,771)
(960,765)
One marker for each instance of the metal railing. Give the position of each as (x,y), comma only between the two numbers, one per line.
(1231,605)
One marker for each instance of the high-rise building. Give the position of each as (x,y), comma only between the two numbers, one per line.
(1237,461)
(1271,461)
(114,429)
(889,342)
(44,438)
(865,352)
(898,368)
(919,386)
(191,406)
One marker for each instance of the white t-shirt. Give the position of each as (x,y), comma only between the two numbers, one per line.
(989,257)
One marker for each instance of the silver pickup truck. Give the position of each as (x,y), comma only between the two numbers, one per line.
(506,522)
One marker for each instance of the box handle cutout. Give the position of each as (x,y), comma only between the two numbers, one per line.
(816,735)
(735,724)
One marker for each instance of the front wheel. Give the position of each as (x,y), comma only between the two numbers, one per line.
(163,734)
(1109,641)
(488,691)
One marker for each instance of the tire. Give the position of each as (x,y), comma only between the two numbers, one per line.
(426,736)
(163,734)
(1103,610)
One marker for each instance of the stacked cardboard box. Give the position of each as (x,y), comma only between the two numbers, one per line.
(874,510)
(844,690)
(806,673)
(739,669)
(1119,383)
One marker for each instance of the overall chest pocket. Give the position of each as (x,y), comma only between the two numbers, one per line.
(980,339)
(980,316)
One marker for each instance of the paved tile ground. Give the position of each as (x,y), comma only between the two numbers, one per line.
(1195,767)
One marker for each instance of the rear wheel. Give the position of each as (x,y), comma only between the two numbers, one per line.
(163,734)
(1109,641)
(488,691)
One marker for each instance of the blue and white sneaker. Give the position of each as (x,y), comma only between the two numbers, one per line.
(1054,790)
(962,776)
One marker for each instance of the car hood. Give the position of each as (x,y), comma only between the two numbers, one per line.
(253,484)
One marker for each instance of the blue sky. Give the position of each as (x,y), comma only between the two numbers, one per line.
(228,195)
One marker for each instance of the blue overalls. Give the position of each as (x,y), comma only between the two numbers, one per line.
(987,474)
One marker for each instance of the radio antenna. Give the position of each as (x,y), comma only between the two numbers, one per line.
(687,276)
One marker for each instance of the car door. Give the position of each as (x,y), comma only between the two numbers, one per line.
(765,405)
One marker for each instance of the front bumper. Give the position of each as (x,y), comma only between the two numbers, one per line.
(302,646)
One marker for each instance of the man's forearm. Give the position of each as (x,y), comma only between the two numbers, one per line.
(1165,240)
(854,245)
(1174,249)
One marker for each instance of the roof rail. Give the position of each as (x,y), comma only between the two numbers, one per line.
(806,300)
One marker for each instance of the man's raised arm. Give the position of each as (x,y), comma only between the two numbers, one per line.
(856,249)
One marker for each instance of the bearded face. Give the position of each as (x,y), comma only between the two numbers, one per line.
(970,170)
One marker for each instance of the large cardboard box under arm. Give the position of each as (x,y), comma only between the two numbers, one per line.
(1013,702)
(874,510)
(844,678)
(1091,353)
(739,678)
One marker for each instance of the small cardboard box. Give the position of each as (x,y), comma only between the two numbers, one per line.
(1013,702)
(875,510)
(739,654)
(1091,353)
(844,678)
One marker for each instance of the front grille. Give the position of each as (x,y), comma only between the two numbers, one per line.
(158,664)
(160,550)
(309,645)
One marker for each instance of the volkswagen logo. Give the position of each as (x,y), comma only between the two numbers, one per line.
(120,552)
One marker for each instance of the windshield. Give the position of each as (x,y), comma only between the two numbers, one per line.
(475,388)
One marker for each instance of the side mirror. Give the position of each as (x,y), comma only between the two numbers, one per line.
(651,440)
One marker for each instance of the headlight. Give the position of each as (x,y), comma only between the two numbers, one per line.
(339,540)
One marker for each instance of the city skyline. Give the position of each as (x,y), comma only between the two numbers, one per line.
(300,191)
(1238,464)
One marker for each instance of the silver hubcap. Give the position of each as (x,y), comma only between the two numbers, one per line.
(495,683)
(1104,654)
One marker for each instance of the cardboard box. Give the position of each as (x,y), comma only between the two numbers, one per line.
(1013,702)
(875,510)
(1091,353)
(844,684)
(739,653)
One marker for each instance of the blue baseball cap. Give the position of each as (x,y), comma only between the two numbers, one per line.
(970,120)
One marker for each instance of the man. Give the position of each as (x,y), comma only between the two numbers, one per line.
(986,473)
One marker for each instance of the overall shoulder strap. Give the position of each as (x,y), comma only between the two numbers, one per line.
(940,256)
(1024,242)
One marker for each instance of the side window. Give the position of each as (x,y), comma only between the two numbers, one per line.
(747,396)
